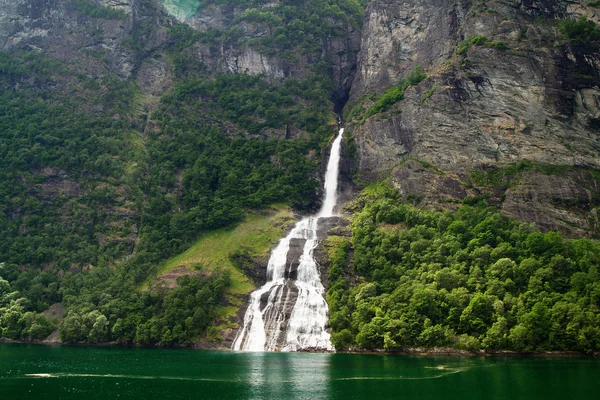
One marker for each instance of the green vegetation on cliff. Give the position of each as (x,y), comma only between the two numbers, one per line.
(581,30)
(471,279)
(96,192)
(387,99)
(286,29)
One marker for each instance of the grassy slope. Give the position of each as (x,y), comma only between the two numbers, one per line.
(259,232)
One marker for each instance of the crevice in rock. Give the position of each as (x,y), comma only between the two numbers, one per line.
(339,101)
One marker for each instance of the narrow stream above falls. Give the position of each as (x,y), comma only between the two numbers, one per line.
(289,312)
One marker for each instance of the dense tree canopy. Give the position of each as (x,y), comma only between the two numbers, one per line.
(472,279)
(94,196)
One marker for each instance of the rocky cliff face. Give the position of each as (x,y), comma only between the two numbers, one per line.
(521,92)
(240,53)
(504,85)
(126,42)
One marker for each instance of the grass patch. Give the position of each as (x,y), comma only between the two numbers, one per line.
(507,175)
(383,102)
(332,243)
(259,231)
(376,189)
(257,234)
(479,40)
(394,94)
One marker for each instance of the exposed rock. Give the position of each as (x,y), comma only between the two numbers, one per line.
(24,20)
(59,29)
(125,5)
(382,146)
(563,203)
(414,180)
(250,61)
(293,258)
(154,76)
(339,52)
(169,279)
(535,100)
(328,227)
(54,313)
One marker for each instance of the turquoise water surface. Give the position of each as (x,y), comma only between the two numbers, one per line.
(70,372)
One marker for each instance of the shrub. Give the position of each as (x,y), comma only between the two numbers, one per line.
(478,40)
(580,30)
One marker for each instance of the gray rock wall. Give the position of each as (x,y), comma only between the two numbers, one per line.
(536,99)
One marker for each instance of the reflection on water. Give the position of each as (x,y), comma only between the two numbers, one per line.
(33,372)
(285,375)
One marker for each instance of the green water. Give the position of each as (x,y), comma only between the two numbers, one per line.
(62,372)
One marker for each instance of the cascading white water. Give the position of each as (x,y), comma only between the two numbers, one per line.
(291,314)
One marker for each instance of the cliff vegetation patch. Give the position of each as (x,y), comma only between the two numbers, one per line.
(387,99)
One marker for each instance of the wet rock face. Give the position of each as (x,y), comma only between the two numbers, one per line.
(534,97)
(328,227)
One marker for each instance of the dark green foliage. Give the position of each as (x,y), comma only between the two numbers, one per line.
(471,279)
(252,103)
(580,30)
(107,311)
(94,10)
(78,189)
(17,320)
(60,169)
(201,179)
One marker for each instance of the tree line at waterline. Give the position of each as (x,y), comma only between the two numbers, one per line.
(471,279)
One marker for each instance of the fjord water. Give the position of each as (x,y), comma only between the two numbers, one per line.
(64,372)
(289,311)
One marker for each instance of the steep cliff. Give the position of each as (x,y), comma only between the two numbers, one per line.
(509,93)
(130,128)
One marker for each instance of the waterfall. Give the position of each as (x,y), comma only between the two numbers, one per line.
(289,312)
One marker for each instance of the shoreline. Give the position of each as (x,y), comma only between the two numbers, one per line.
(449,351)
(421,352)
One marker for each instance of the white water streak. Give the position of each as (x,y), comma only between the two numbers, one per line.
(305,328)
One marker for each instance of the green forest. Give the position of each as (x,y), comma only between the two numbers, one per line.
(470,279)
(93,196)
(103,184)
(76,188)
